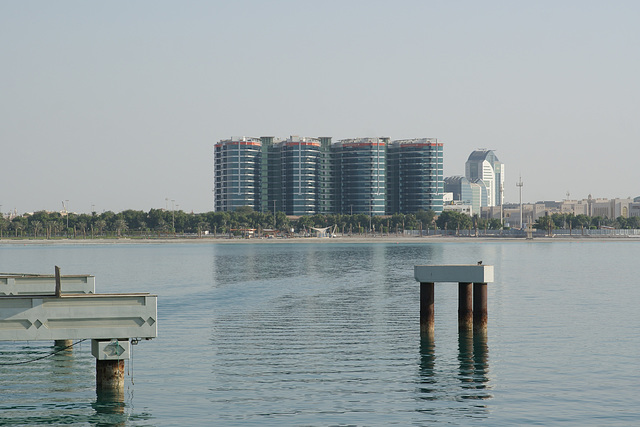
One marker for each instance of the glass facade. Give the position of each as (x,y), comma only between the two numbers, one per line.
(236,173)
(484,165)
(299,167)
(327,190)
(363,186)
(415,179)
(306,176)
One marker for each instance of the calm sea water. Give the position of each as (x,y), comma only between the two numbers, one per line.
(328,335)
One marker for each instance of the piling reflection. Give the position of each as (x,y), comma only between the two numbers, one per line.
(110,408)
(473,358)
(427,367)
(455,387)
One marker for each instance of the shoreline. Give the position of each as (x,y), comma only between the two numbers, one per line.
(317,240)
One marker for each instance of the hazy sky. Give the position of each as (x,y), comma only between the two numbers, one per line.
(118,104)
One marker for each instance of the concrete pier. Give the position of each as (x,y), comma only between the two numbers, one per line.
(472,293)
(109,320)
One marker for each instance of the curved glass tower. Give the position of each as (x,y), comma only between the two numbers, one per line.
(415,175)
(299,166)
(236,173)
(362,175)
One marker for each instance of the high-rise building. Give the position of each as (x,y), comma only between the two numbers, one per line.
(484,165)
(362,166)
(414,175)
(327,189)
(236,173)
(305,176)
(299,166)
(270,179)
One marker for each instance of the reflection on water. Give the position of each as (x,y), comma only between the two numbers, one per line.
(328,334)
(58,389)
(473,355)
(110,408)
(428,375)
(436,379)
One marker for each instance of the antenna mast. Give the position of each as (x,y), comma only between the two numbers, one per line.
(520,184)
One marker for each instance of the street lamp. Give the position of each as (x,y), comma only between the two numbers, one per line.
(66,209)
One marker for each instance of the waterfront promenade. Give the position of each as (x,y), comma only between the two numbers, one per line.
(392,238)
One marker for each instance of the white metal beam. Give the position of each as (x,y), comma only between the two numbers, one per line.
(453,273)
(30,284)
(70,317)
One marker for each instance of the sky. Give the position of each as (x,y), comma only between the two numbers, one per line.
(117,105)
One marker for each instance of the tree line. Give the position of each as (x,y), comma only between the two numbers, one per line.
(161,222)
(575,222)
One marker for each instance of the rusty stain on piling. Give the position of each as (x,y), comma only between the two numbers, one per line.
(465,306)
(427,311)
(109,375)
(480,314)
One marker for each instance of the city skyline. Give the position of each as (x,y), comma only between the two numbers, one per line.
(114,106)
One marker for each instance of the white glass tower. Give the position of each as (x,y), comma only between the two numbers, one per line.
(484,165)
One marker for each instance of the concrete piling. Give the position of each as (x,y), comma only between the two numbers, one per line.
(480,315)
(465,306)
(110,375)
(427,311)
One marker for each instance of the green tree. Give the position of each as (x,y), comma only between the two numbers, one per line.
(120,226)
(304,223)
(426,217)
(4,225)
(82,227)
(19,223)
(282,222)
(452,220)
(36,226)
(100,225)
(545,223)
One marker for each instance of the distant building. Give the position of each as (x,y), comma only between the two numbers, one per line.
(307,175)
(414,175)
(605,208)
(459,207)
(297,161)
(361,173)
(474,194)
(484,165)
(236,173)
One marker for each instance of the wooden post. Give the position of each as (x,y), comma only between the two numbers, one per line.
(480,307)
(58,284)
(109,375)
(426,308)
(465,306)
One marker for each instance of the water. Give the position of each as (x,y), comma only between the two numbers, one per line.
(328,335)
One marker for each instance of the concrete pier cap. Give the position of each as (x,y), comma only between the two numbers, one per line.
(463,273)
